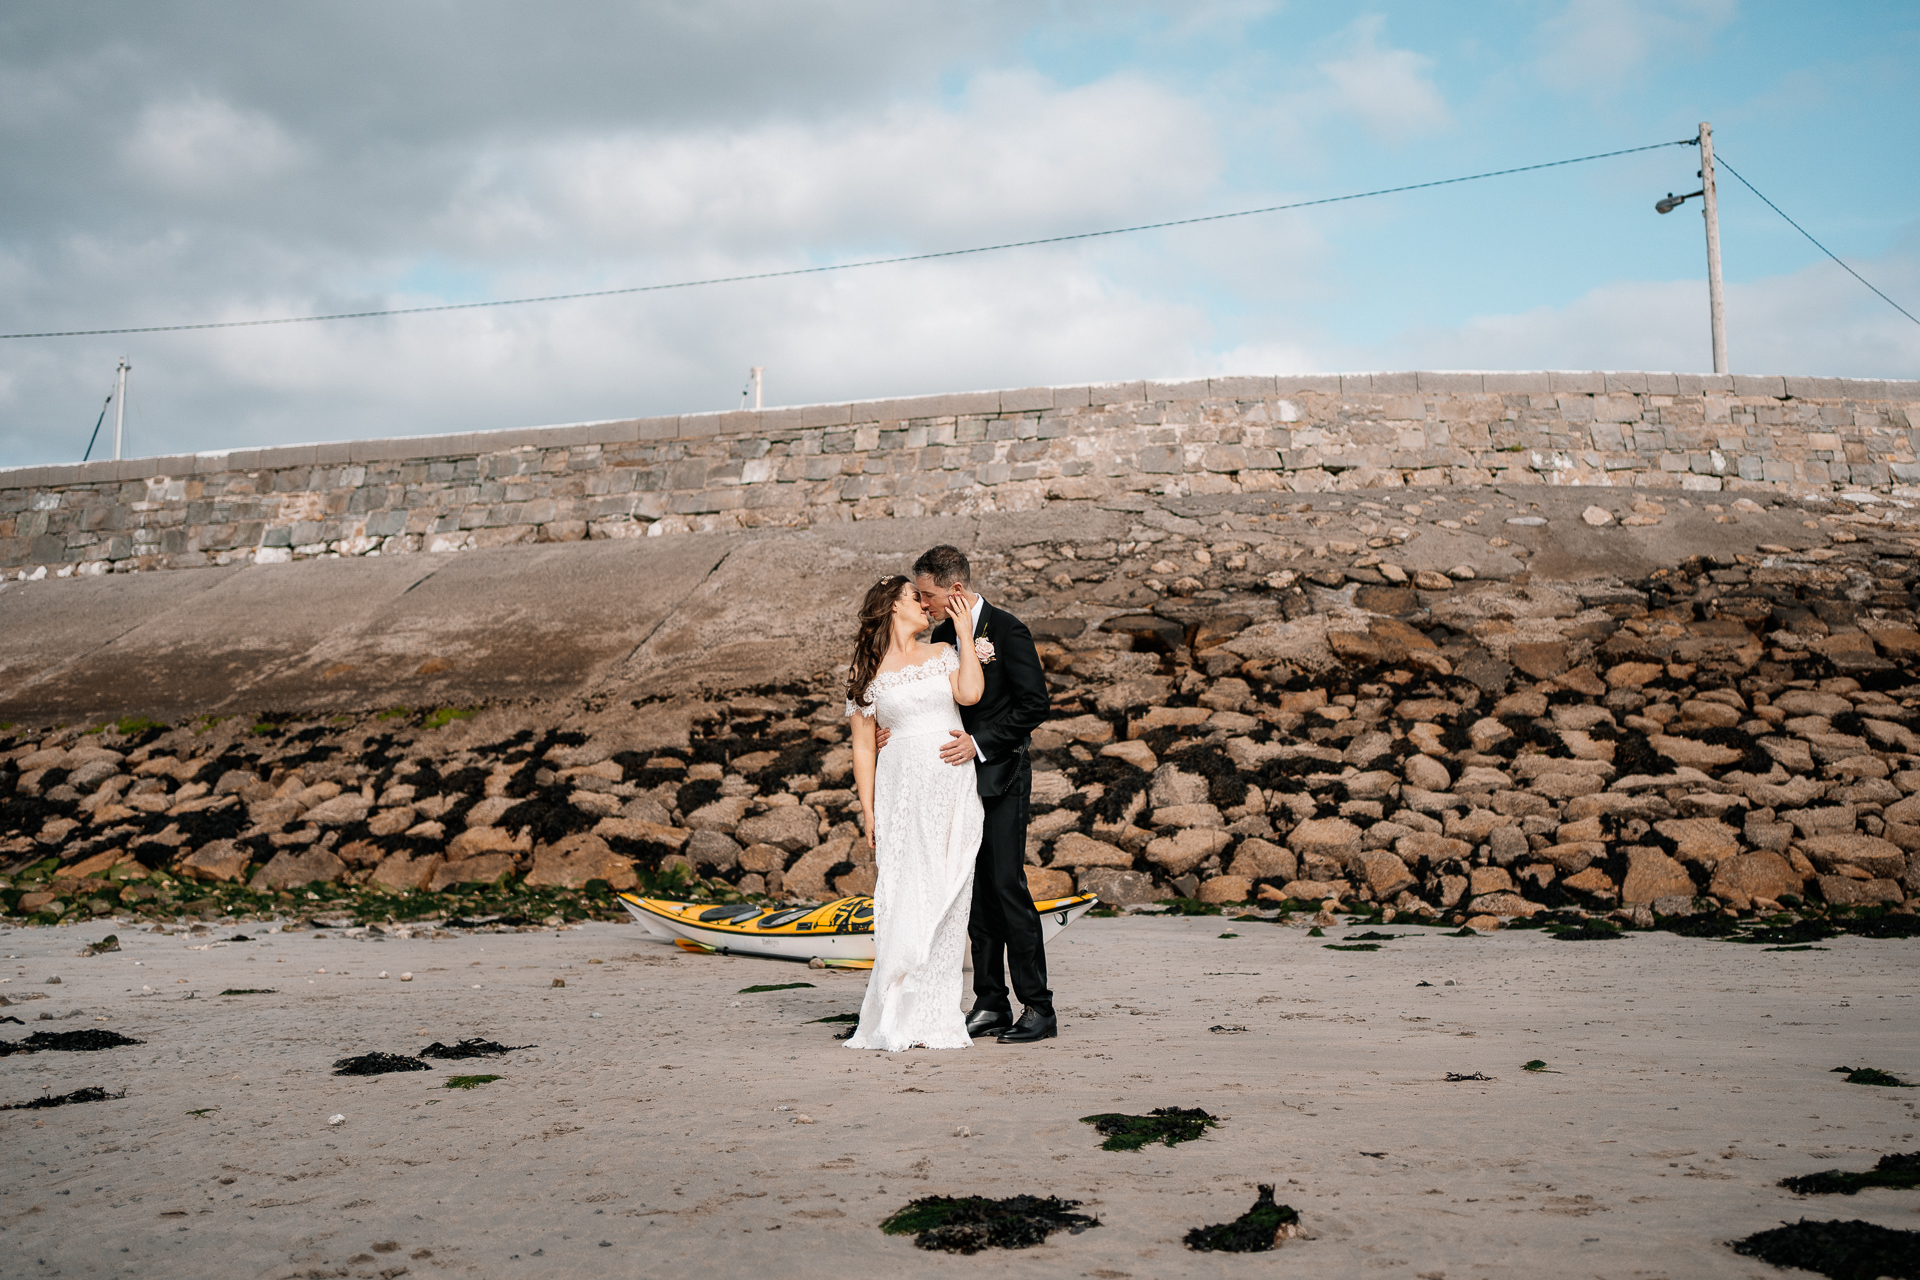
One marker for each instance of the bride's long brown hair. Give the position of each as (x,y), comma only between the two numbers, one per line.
(870,646)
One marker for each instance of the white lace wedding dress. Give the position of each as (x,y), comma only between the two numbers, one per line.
(927,815)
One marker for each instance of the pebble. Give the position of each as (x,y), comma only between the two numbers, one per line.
(406,977)
(338,1119)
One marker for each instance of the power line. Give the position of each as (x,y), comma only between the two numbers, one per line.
(1816,244)
(851,266)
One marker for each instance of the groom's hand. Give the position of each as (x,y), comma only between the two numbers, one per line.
(880,737)
(958,749)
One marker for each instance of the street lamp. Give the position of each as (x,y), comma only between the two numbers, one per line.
(1710,211)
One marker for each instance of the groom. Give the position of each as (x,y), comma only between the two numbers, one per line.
(1002,926)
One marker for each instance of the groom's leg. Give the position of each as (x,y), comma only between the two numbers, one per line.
(989,943)
(1006,852)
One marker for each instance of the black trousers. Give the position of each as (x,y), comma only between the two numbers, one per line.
(1003,926)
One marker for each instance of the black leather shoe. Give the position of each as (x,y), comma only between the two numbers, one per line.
(1032,1026)
(987,1022)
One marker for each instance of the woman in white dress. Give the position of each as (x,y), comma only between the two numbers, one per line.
(923,818)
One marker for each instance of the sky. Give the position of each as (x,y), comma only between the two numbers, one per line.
(194,162)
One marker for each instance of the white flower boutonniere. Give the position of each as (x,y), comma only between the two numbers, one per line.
(983,650)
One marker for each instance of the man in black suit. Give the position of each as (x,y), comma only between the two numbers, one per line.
(1002,926)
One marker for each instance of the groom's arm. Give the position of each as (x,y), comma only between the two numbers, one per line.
(1029,706)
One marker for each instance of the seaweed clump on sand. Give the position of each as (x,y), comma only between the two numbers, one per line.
(968,1224)
(1167,1125)
(475,1048)
(95,1094)
(1853,1250)
(1899,1172)
(1258,1230)
(1873,1075)
(377,1064)
(88,1041)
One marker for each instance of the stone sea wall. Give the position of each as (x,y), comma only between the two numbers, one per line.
(1011,450)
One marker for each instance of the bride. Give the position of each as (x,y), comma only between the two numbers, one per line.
(923,818)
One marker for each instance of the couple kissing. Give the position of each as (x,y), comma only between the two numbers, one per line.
(940,731)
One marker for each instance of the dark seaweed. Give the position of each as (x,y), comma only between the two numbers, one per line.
(377,1064)
(772,986)
(1900,1172)
(1853,1250)
(475,1048)
(1168,1125)
(968,1224)
(65,1099)
(1255,1231)
(1875,1076)
(88,1041)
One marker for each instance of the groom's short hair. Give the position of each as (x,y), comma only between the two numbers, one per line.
(945,565)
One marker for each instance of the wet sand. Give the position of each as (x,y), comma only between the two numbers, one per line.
(649,1132)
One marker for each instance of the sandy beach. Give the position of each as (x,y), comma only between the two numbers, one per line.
(667,1124)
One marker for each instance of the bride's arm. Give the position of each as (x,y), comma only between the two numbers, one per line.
(864,754)
(969,682)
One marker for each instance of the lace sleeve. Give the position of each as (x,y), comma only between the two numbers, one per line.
(950,660)
(854,709)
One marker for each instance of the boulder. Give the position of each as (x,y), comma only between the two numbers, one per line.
(1428,774)
(339,811)
(1843,891)
(1137,691)
(1593,882)
(484,869)
(1688,751)
(1074,850)
(489,810)
(1184,815)
(1880,859)
(1137,754)
(402,873)
(810,876)
(476,841)
(1226,889)
(1089,729)
(759,859)
(710,849)
(1259,859)
(791,827)
(1504,905)
(221,861)
(1385,874)
(1335,838)
(642,832)
(391,822)
(1184,850)
(1573,856)
(723,814)
(1651,875)
(1118,888)
(1700,839)
(583,856)
(1315,890)
(1740,879)
(863,877)
(1044,883)
(1507,844)
(292,868)
(1489,880)
(1172,787)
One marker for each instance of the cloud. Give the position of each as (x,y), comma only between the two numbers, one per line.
(1014,156)
(1593,46)
(1390,90)
(1817,320)
(201,145)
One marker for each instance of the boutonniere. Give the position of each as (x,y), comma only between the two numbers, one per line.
(983,650)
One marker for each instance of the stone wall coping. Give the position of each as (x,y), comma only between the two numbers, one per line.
(1025,400)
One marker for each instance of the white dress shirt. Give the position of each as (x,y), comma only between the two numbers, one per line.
(979,603)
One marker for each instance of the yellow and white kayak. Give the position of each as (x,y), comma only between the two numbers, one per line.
(837,932)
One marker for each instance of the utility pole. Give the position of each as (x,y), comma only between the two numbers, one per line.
(120,406)
(1711,212)
(753,377)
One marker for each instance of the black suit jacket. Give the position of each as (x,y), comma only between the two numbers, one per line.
(1014,703)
